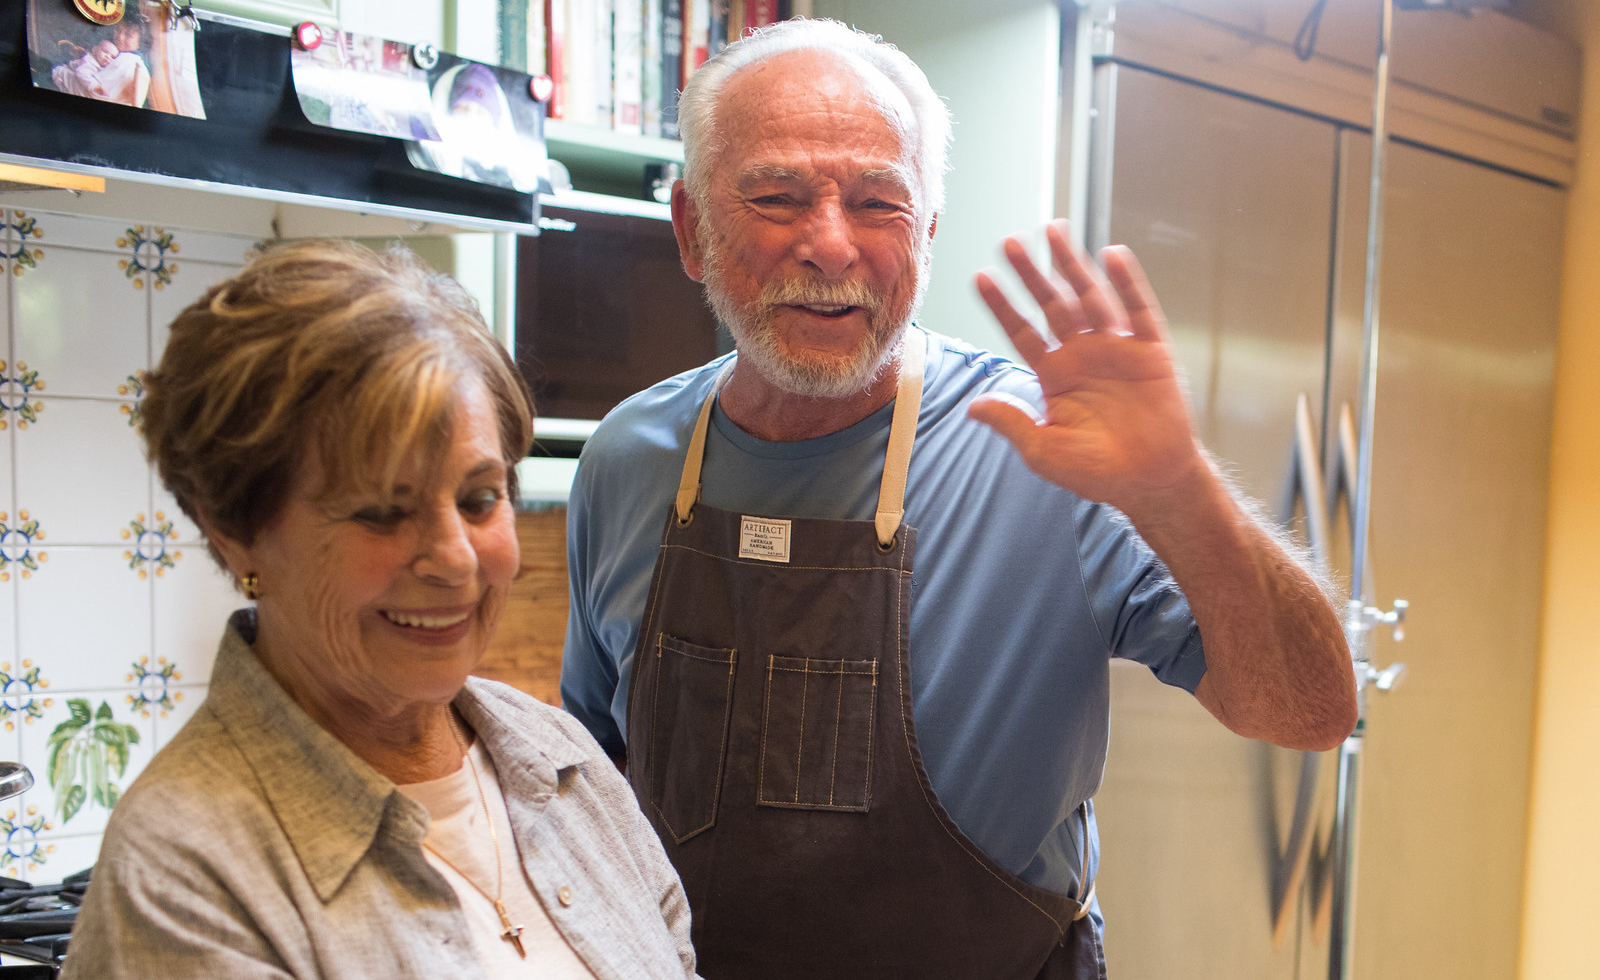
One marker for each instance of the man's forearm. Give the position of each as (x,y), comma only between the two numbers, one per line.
(1277,666)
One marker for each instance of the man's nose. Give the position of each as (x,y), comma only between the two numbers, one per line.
(827,240)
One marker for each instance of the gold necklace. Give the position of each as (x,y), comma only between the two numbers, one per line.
(513,933)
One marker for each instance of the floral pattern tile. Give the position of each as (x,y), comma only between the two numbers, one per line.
(156,687)
(8,638)
(76,327)
(84,752)
(85,620)
(62,855)
(22,549)
(192,605)
(20,235)
(20,388)
(110,605)
(24,694)
(83,474)
(21,825)
(198,276)
(153,545)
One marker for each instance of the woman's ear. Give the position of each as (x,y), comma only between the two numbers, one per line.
(235,554)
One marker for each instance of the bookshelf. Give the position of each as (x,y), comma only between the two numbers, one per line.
(604,161)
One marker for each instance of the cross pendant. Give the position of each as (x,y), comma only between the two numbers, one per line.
(513,934)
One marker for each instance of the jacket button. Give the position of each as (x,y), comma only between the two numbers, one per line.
(564,894)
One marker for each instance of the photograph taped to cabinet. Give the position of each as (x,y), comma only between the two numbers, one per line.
(491,129)
(145,61)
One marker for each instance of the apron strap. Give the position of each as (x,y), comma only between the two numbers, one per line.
(902,432)
(897,462)
(1086,889)
(689,483)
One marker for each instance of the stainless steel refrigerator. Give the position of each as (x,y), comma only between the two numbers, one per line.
(1241,183)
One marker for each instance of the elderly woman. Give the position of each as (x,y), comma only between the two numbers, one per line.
(348,802)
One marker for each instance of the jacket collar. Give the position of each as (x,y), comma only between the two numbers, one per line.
(330,803)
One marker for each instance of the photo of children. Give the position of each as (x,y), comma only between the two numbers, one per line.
(146,60)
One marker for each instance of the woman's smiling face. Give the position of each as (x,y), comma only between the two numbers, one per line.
(370,607)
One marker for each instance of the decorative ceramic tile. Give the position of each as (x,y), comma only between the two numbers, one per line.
(84,752)
(84,620)
(10,745)
(186,700)
(156,687)
(22,547)
(81,472)
(63,856)
(7,500)
(76,324)
(20,389)
(153,545)
(8,638)
(24,695)
(24,855)
(192,604)
(184,531)
(196,278)
(57,230)
(20,236)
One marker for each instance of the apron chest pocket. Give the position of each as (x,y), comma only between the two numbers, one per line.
(816,734)
(692,700)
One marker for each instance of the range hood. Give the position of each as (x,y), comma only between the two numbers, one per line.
(255,144)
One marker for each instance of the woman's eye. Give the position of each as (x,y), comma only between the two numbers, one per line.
(380,517)
(481,502)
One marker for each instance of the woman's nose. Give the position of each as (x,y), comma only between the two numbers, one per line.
(445,553)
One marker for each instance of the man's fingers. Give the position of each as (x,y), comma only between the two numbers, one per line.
(1008,415)
(1127,277)
(1100,310)
(1019,328)
(1058,302)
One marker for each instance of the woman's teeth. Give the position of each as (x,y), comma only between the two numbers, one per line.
(424,622)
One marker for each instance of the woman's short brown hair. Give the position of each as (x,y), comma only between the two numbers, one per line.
(319,346)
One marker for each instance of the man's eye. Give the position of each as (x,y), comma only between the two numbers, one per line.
(481,502)
(380,517)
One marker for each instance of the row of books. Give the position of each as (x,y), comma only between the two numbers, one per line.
(619,64)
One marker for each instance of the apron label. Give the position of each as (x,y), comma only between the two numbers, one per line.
(767,540)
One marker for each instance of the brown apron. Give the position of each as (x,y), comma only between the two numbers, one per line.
(771,743)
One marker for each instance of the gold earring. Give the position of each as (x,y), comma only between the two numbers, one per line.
(251,584)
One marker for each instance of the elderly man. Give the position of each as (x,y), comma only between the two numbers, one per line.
(861,678)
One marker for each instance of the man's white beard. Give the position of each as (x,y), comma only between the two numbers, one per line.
(757,335)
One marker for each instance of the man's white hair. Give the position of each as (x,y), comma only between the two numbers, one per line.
(697,107)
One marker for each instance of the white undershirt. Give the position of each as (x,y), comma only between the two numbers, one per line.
(459,833)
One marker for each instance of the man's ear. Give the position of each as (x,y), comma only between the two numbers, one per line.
(686,226)
(933,226)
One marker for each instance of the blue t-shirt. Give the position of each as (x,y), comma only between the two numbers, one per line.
(1021,590)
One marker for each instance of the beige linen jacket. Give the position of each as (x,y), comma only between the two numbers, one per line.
(256,846)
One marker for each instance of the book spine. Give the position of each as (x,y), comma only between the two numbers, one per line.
(627,60)
(671,65)
(717,30)
(604,67)
(534,39)
(650,76)
(581,70)
(759,13)
(696,34)
(555,32)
